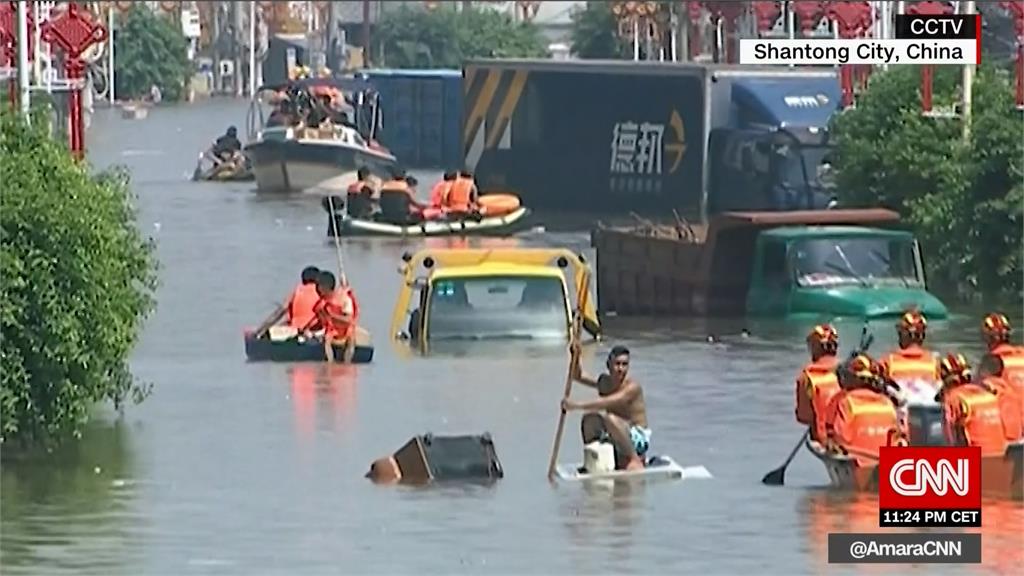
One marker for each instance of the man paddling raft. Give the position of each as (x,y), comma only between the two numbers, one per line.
(624,420)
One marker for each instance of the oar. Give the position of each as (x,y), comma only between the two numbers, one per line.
(777,477)
(574,339)
(337,242)
(271,320)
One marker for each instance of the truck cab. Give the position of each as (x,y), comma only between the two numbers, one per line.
(482,294)
(838,270)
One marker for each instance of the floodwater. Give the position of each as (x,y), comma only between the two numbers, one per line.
(238,468)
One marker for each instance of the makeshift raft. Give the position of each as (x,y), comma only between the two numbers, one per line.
(656,468)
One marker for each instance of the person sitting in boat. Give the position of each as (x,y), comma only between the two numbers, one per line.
(462,197)
(336,314)
(398,204)
(971,410)
(996,330)
(1011,402)
(911,365)
(359,196)
(302,303)
(227,149)
(624,420)
(439,193)
(817,382)
(861,417)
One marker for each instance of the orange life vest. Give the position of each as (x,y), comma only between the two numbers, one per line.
(334,305)
(439,193)
(815,387)
(910,366)
(1013,365)
(1011,407)
(862,421)
(461,195)
(301,305)
(973,418)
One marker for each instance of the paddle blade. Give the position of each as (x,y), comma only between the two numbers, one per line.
(776,477)
(697,473)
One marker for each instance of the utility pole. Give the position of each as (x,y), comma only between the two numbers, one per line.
(366,33)
(24,88)
(252,49)
(218,81)
(968,82)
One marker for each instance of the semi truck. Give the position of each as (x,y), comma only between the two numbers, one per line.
(650,137)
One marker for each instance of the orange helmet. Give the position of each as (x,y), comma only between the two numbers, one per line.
(996,325)
(863,367)
(912,322)
(823,334)
(954,369)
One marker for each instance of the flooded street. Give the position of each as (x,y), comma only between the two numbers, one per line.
(238,468)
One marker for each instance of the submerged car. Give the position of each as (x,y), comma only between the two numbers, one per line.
(492,294)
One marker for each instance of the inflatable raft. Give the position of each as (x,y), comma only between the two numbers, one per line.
(269,349)
(656,468)
(502,216)
(1001,476)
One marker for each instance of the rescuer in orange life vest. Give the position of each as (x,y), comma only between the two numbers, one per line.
(996,330)
(359,195)
(861,417)
(462,198)
(912,362)
(973,416)
(817,382)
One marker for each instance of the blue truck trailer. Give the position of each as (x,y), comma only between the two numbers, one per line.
(649,137)
(421,116)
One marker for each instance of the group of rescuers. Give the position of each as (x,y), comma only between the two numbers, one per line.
(455,195)
(853,408)
(320,305)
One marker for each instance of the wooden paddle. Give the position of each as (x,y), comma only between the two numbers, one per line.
(574,359)
(777,477)
(198,172)
(271,320)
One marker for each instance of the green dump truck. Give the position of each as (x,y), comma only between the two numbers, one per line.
(815,263)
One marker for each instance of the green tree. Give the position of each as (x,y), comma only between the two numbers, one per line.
(77,281)
(595,33)
(963,198)
(444,38)
(150,50)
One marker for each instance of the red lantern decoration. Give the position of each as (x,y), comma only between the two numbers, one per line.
(73,30)
(809,13)
(168,6)
(124,6)
(766,14)
(930,8)
(851,19)
(1016,10)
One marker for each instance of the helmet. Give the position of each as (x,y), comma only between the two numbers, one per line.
(996,325)
(823,334)
(954,369)
(912,322)
(863,367)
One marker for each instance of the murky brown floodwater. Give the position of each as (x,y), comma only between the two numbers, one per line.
(237,468)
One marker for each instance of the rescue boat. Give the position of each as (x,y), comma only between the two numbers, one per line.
(502,216)
(1001,476)
(288,347)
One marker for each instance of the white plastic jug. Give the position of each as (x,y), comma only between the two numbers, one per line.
(598,457)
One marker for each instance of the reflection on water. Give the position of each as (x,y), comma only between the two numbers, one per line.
(256,468)
(72,510)
(323,395)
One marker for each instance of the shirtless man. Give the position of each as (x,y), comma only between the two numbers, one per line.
(624,420)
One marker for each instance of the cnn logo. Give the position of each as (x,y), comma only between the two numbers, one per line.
(929,477)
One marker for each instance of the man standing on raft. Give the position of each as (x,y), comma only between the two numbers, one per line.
(624,420)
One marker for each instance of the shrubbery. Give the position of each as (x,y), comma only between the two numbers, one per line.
(443,38)
(76,281)
(150,49)
(964,199)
